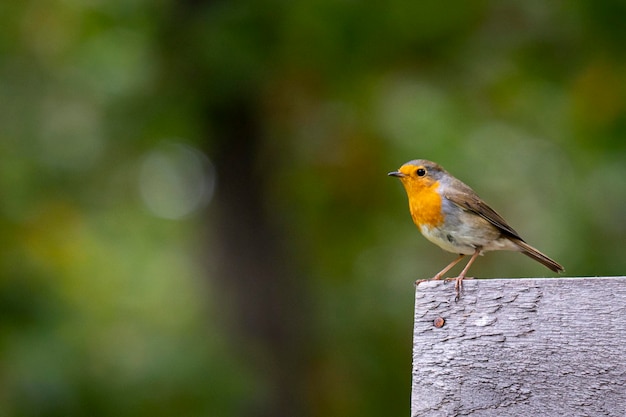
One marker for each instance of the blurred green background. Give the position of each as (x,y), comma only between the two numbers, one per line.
(195,217)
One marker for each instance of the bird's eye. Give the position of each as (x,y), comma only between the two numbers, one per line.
(420,172)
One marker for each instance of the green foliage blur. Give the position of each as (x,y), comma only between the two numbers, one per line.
(112,116)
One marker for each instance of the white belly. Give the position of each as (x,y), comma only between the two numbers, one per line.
(466,241)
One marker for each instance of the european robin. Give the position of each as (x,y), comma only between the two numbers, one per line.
(452,216)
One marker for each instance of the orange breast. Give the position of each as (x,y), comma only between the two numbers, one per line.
(425,204)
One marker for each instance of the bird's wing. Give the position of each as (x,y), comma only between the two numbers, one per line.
(471,202)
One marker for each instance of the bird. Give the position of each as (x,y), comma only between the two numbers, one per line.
(452,216)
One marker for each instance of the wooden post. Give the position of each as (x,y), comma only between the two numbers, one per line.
(520,347)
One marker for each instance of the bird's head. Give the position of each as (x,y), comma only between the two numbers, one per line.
(418,173)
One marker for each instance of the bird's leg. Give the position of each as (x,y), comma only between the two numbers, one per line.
(443,271)
(458,285)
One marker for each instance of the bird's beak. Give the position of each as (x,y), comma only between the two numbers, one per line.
(396,174)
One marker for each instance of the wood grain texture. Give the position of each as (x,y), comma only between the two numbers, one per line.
(520,347)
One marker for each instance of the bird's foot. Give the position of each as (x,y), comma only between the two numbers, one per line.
(435,278)
(458,285)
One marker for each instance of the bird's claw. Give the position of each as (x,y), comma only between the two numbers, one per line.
(435,278)
(458,283)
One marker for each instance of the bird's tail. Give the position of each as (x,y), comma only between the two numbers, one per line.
(533,253)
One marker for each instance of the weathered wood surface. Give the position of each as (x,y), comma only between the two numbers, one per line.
(521,347)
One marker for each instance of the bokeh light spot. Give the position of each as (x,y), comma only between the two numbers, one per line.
(175,180)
